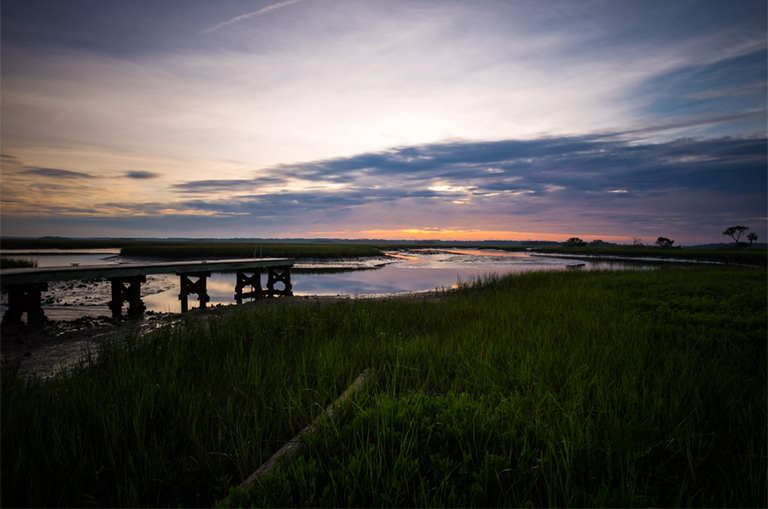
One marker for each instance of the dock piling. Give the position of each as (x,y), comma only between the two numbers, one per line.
(130,294)
(25,285)
(243,280)
(276,275)
(198,287)
(25,298)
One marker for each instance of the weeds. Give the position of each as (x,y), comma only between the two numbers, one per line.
(7,262)
(569,389)
(196,250)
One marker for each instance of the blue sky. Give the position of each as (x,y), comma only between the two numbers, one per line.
(384,119)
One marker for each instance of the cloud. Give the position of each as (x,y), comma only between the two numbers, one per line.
(6,158)
(141,175)
(558,184)
(55,173)
(250,15)
(207,186)
(574,164)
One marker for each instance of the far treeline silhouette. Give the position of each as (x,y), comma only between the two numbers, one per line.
(735,232)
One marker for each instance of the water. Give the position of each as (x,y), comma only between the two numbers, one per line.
(74,306)
(407,271)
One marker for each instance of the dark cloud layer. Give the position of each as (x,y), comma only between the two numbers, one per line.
(678,185)
(141,175)
(580,164)
(55,173)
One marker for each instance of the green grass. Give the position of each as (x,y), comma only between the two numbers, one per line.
(54,243)
(559,388)
(196,249)
(192,249)
(7,262)
(213,249)
(758,257)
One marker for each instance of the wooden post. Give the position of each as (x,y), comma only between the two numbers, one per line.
(193,287)
(291,449)
(130,294)
(244,280)
(25,298)
(283,276)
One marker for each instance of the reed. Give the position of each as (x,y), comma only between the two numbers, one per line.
(8,262)
(201,250)
(571,388)
(750,256)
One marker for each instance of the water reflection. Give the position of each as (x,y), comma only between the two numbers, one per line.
(411,271)
(66,260)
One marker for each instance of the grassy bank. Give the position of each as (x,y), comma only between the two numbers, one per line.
(572,389)
(194,250)
(197,249)
(70,244)
(9,262)
(757,257)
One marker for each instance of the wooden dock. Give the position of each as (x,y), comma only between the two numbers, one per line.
(25,286)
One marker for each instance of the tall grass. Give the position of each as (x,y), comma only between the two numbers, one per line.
(756,256)
(7,262)
(192,249)
(603,388)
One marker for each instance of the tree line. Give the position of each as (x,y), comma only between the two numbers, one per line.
(735,232)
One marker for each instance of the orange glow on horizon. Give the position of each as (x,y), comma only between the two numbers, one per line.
(448,234)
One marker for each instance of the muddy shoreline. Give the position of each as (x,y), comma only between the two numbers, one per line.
(62,343)
(78,317)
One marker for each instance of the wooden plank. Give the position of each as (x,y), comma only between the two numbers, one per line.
(9,277)
(291,449)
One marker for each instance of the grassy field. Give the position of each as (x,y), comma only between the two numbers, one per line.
(53,243)
(189,250)
(754,256)
(181,250)
(8,262)
(211,249)
(544,389)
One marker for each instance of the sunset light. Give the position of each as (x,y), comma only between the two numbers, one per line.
(273,119)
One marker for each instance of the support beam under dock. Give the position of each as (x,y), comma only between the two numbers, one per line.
(25,286)
(130,294)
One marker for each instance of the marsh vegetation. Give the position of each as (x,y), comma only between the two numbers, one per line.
(198,249)
(758,257)
(9,262)
(546,388)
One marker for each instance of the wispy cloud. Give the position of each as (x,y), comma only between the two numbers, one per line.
(556,184)
(265,10)
(141,175)
(55,173)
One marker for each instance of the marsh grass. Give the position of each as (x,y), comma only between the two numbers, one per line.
(558,388)
(194,250)
(749,256)
(200,249)
(8,262)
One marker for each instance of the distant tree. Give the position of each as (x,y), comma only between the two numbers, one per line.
(664,242)
(752,237)
(574,242)
(599,242)
(637,241)
(735,233)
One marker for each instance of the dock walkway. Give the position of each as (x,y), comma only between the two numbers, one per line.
(25,286)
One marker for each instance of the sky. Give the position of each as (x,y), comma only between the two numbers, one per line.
(384,119)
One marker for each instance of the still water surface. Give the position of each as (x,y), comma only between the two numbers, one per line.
(409,271)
